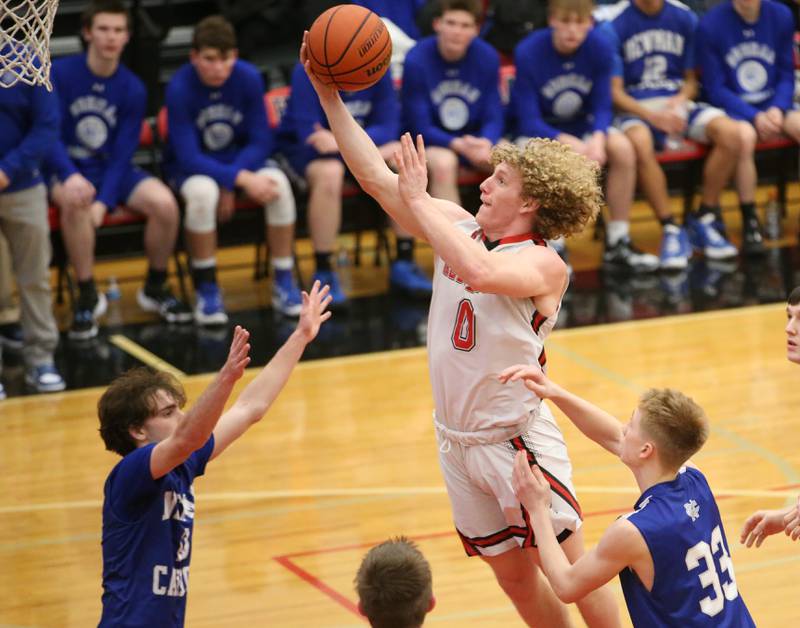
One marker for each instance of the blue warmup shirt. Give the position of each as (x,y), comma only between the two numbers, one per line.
(694,583)
(376,109)
(147,540)
(28,130)
(402,12)
(555,93)
(101,120)
(653,52)
(444,100)
(747,68)
(213,131)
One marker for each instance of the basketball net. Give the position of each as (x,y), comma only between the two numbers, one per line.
(25,27)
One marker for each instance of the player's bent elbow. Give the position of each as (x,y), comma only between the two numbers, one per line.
(566,593)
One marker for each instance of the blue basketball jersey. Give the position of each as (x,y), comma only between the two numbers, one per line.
(746,67)
(147,540)
(694,583)
(654,50)
(555,93)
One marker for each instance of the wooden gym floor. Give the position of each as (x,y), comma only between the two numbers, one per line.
(346,458)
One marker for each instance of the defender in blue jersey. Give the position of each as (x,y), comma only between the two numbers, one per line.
(764,523)
(311,149)
(149,500)
(653,86)
(671,552)
(28,129)
(102,107)
(450,95)
(563,91)
(745,52)
(219,141)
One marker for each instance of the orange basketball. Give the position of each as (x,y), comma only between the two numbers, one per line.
(349,47)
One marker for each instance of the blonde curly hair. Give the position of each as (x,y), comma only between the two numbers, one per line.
(565,184)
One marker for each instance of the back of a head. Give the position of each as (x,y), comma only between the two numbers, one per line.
(565,184)
(214,32)
(676,423)
(394,585)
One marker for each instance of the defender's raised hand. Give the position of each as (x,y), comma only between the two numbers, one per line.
(238,356)
(313,312)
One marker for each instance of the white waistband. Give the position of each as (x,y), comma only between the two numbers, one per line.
(487,436)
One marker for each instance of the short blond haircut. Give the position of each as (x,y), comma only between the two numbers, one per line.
(565,184)
(676,423)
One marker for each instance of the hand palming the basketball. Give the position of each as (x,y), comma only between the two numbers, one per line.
(323,91)
(412,169)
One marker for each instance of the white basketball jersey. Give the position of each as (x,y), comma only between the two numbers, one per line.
(474,336)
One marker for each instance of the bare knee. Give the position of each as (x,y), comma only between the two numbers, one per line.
(725,135)
(642,141)
(620,151)
(443,164)
(326,177)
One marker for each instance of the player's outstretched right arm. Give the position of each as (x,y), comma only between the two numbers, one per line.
(360,153)
(196,428)
(594,422)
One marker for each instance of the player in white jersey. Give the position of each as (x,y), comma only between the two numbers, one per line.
(495,296)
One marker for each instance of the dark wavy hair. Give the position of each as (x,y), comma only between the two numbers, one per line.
(129,401)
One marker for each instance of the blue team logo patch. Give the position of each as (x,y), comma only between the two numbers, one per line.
(454,114)
(567,104)
(92,132)
(217,136)
(752,76)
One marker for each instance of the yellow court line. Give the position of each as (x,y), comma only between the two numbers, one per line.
(143,355)
(660,321)
(376,491)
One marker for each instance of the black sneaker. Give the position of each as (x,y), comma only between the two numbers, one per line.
(11,337)
(752,236)
(85,315)
(166,304)
(625,255)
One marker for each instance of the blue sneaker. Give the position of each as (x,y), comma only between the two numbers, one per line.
(2,392)
(675,249)
(209,309)
(407,277)
(45,378)
(704,237)
(330,278)
(286,297)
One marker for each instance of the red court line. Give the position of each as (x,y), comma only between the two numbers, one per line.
(286,559)
(319,584)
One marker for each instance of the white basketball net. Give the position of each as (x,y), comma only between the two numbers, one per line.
(25,27)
